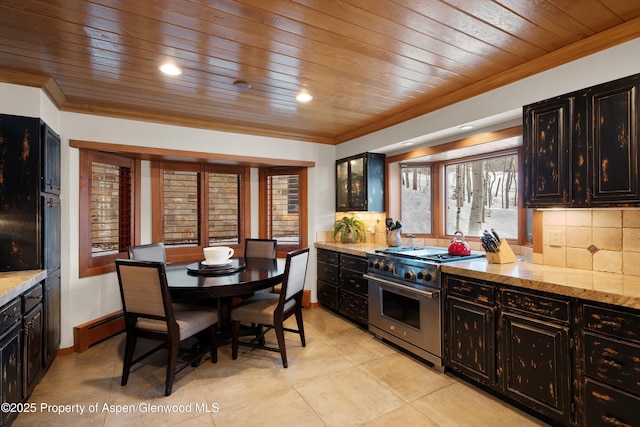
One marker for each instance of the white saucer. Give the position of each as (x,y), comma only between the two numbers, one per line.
(215,264)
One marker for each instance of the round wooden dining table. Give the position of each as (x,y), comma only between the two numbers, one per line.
(242,276)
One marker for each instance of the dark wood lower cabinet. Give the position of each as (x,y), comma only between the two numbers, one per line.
(607,406)
(470,346)
(537,365)
(11,364)
(518,344)
(341,286)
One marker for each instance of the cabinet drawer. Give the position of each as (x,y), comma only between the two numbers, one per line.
(31,298)
(354,306)
(613,362)
(605,406)
(329,257)
(328,273)
(354,263)
(354,281)
(544,306)
(469,290)
(9,314)
(612,322)
(327,295)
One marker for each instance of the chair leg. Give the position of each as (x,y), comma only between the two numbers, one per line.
(129,349)
(300,326)
(235,334)
(171,366)
(279,328)
(214,343)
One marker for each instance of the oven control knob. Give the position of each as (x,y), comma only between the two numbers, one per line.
(425,275)
(388,267)
(377,265)
(410,275)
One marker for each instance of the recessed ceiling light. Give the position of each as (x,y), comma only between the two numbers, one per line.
(304,97)
(466,127)
(241,84)
(170,69)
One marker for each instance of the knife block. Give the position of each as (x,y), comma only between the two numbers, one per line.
(504,255)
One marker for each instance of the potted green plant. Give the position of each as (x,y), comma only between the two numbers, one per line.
(350,230)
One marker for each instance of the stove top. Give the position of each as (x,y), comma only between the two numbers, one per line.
(427,253)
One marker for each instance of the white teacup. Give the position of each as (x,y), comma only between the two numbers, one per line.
(217,254)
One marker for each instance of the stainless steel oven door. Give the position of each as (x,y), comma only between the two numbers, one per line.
(409,317)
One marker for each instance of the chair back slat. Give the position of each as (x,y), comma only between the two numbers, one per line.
(150,252)
(260,248)
(141,287)
(296,271)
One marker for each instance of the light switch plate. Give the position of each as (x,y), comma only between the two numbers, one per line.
(555,238)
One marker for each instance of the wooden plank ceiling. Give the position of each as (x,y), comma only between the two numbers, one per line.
(367,63)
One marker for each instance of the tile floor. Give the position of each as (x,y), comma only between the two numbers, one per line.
(344,377)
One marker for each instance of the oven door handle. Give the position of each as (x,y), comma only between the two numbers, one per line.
(428,294)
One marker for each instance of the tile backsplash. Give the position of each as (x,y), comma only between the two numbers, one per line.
(605,240)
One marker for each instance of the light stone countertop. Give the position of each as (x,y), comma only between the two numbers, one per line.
(14,283)
(611,288)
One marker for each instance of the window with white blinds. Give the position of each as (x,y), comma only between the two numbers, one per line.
(181,207)
(224,208)
(110,208)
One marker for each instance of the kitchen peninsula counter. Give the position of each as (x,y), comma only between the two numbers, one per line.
(616,289)
(15,283)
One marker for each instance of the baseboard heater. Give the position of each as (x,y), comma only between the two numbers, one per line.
(96,330)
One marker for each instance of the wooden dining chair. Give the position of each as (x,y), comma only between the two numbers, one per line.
(149,313)
(149,252)
(260,248)
(269,311)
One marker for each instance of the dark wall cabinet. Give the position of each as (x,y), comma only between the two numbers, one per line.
(581,149)
(517,343)
(360,183)
(341,286)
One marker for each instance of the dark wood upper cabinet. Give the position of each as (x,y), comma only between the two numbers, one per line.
(547,142)
(613,111)
(581,149)
(360,183)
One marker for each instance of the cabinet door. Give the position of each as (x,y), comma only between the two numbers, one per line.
(51,233)
(470,336)
(547,153)
(342,186)
(50,160)
(614,116)
(52,318)
(357,185)
(537,365)
(11,378)
(33,327)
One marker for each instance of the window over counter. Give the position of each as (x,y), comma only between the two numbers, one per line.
(416,198)
(109,186)
(482,194)
(469,185)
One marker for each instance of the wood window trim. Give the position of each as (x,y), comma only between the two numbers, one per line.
(157,204)
(89,265)
(302,207)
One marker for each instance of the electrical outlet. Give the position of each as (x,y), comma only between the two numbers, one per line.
(555,238)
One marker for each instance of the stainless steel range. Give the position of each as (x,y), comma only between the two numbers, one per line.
(405,304)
